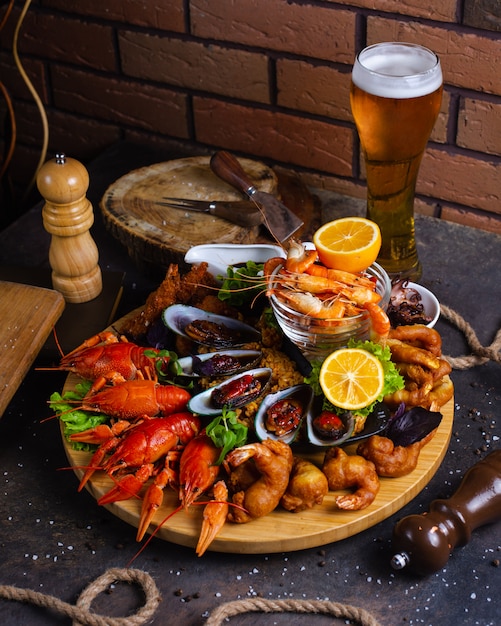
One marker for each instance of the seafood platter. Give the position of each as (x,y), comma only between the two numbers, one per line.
(213,430)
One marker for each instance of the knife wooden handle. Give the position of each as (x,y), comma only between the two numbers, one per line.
(226,166)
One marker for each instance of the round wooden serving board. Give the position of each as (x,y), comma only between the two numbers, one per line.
(280,531)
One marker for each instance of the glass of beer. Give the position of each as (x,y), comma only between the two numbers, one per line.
(396,92)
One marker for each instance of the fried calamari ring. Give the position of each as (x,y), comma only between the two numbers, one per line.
(345,471)
(389,460)
(420,336)
(418,374)
(442,392)
(405,353)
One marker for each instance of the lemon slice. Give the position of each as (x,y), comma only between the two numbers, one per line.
(351,378)
(348,243)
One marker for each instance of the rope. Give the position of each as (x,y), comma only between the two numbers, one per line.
(480,354)
(322,607)
(81,613)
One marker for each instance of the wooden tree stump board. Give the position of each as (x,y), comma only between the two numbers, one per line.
(156,235)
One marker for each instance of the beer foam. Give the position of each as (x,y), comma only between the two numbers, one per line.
(393,70)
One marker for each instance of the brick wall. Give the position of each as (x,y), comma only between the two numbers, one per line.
(262,78)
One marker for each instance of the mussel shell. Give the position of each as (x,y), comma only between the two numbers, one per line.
(303,393)
(178,316)
(244,360)
(316,440)
(375,423)
(202,403)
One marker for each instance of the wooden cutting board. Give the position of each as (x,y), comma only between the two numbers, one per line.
(27,316)
(156,236)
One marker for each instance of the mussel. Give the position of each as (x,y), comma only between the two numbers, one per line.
(318,427)
(234,392)
(210,329)
(281,414)
(222,363)
(320,434)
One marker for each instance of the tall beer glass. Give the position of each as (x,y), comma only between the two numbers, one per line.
(396,92)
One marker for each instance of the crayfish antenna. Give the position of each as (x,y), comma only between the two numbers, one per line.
(146,543)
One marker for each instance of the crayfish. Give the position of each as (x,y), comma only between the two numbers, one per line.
(106,358)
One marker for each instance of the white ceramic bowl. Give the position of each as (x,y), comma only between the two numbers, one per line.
(430,303)
(220,256)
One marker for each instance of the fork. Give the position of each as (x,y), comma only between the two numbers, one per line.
(243,213)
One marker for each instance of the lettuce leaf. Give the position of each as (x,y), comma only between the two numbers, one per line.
(242,284)
(75,420)
(393,381)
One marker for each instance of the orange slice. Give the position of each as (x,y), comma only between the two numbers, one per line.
(351,378)
(348,243)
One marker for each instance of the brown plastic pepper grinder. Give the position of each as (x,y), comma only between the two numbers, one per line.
(68,215)
(425,542)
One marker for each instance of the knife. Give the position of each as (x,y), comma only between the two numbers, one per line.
(278,219)
(243,213)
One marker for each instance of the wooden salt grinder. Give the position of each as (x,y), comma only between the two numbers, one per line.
(424,542)
(68,215)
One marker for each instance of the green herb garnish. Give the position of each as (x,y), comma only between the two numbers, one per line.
(226,432)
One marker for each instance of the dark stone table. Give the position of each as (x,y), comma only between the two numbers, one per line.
(56,541)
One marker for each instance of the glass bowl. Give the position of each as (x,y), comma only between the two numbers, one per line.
(317,338)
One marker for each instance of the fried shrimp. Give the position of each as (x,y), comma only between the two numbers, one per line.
(392,461)
(307,486)
(273,460)
(345,471)
(420,336)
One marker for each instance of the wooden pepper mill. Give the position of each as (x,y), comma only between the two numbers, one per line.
(68,216)
(424,542)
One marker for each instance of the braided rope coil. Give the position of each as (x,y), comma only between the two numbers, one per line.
(323,607)
(480,354)
(81,613)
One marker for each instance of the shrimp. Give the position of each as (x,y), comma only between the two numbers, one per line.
(274,460)
(351,470)
(299,258)
(339,275)
(380,322)
(389,460)
(308,304)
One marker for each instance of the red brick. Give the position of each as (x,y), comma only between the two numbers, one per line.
(277,136)
(164,14)
(322,32)
(474,219)
(67,40)
(461,179)
(439,132)
(233,73)
(80,138)
(14,83)
(120,101)
(443,11)
(479,126)
(313,88)
(468,59)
